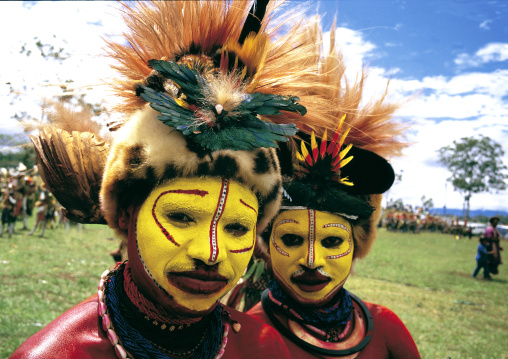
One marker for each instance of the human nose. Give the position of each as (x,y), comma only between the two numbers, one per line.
(319,257)
(313,256)
(217,245)
(207,247)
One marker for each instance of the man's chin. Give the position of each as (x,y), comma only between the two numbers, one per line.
(194,305)
(318,298)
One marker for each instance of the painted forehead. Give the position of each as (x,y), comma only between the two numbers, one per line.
(195,189)
(326,219)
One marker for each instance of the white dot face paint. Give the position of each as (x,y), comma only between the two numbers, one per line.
(311,253)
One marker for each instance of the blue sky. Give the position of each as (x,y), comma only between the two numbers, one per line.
(423,38)
(452,54)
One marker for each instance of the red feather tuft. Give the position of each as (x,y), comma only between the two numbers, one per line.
(308,159)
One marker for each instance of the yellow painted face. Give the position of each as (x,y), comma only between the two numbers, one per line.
(311,253)
(195,237)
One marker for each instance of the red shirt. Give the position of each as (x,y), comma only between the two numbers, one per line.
(78,334)
(390,337)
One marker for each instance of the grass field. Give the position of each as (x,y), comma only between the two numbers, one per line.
(425,278)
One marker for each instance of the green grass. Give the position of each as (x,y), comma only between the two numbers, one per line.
(424,278)
(40,278)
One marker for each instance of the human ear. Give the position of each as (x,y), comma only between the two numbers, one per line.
(124,217)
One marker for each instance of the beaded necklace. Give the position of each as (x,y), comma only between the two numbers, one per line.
(337,314)
(271,306)
(128,341)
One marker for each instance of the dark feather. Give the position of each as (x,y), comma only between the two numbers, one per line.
(254,19)
(71,165)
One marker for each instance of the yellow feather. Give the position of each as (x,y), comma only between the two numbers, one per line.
(345,161)
(341,142)
(252,53)
(181,103)
(313,143)
(339,127)
(322,149)
(346,182)
(305,153)
(344,152)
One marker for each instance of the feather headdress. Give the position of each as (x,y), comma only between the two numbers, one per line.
(214,36)
(344,174)
(71,155)
(206,93)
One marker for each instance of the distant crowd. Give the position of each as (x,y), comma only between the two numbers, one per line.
(417,221)
(22,195)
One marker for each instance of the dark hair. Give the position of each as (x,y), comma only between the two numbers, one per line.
(492,219)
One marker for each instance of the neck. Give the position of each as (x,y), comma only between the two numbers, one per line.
(336,312)
(152,309)
(138,320)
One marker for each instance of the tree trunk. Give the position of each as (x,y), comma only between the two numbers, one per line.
(468,197)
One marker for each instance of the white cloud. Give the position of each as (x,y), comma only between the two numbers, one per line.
(492,52)
(449,109)
(442,109)
(424,176)
(485,25)
(77,27)
(354,48)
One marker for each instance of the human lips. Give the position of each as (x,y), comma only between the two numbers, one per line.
(310,280)
(197,281)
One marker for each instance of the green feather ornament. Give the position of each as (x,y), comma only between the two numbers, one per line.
(238,129)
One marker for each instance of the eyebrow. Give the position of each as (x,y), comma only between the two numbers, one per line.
(339,225)
(285,221)
(248,206)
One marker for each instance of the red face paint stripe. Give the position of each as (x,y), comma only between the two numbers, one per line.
(161,227)
(246,205)
(196,192)
(242,250)
(214,248)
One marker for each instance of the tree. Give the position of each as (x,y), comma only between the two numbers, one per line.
(64,102)
(13,150)
(397,205)
(476,165)
(427,203)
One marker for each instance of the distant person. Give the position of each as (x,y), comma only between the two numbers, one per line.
(482,259)
(493,236)
(44,210)
(7,205)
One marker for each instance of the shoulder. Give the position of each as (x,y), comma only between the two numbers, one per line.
(261,339)
(390,329)
(74,334)
(258,313)
(488,231)
(381,313)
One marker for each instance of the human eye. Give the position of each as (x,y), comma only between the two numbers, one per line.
(180,218)
(292,240)
(331,242)
(236,229)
